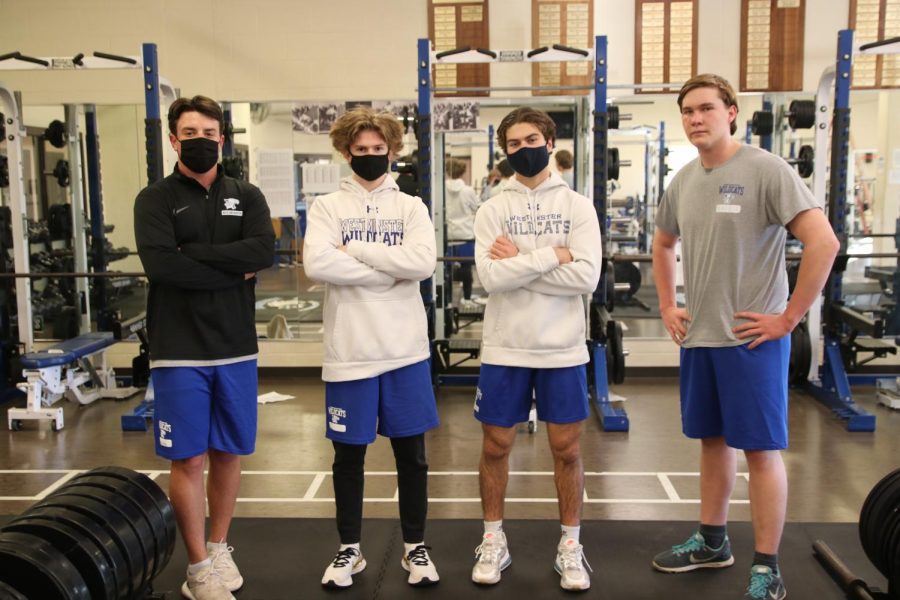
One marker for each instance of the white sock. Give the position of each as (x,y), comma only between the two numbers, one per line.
(197,567)
(410,547)
(493,526)
(571,531)
(217,546)
(345,546)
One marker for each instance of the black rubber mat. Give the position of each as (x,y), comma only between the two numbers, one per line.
(285,558)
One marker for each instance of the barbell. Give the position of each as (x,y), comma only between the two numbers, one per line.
(801,114)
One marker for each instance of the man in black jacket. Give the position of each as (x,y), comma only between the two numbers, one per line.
(201,237)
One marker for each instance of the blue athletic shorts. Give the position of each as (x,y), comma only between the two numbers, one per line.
(198,408)
(737,393)
(505,394)
(399,403)
(463,249)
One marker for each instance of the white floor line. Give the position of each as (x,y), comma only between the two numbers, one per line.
(319,477)
(313,488)
(668,487)
(55,485)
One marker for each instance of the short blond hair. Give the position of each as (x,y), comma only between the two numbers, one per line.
(726,92)
(353,122)
(455,168)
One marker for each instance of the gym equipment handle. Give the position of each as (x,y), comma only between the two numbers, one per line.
(570,49)
(123,59)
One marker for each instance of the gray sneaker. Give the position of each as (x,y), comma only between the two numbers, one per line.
(491,557)
(570,563)
(765,585)
(206,585)
(228,571)
(694,554)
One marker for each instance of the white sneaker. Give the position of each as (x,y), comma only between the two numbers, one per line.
(224,565)
(345,564)
(206,585)
(491,557)
(421,569)
(569,559)
(468,304)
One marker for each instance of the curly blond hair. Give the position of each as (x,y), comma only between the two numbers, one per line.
(353,122)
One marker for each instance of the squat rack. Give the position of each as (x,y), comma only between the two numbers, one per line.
(154,86)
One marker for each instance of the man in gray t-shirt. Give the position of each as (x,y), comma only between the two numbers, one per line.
(732,208)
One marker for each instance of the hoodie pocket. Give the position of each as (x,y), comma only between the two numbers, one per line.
(531,321)
(380,330)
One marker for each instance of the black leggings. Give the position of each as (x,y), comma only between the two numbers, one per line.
(465,275)
(412,481)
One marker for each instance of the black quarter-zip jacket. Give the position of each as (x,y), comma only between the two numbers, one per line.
(196,245)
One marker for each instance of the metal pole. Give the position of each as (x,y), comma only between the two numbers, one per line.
(74,115)
(152,124)
(15,132)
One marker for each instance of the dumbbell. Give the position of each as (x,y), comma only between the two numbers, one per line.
(614,117)
(613,164)
(805,161)
(801,114)
(56,134)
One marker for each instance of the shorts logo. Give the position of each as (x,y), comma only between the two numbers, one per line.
(165,428)
(477,397)
(335,422)
(231,210)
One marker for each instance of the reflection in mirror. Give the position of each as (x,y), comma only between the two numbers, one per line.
(58,198)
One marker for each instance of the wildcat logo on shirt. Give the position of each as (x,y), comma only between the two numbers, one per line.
(231,210)
(728,193)
(548,224)
(385,231)
(335,422)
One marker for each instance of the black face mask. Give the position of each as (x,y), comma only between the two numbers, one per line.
(370,166)
(529,161)
(199,154)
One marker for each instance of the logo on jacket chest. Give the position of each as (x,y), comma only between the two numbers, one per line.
(384,231)
(546,224)
(231,208)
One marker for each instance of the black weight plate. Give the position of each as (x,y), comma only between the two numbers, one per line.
(143,502)
(7,592)
(762,123)
(36,569)
(148,485)
(866,511)
(628,272)
(89,529)
(801,355)
(82,552)
(114,525)
(873,512)
(612,167)
(803,114)
(619,355)
(890,539)
(132,515)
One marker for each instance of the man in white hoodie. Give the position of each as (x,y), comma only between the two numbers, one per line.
(372,244)
(538,252)
(461,204)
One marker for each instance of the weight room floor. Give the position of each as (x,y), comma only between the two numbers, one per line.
(648,474)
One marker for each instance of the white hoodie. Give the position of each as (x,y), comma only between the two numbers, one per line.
(461,204)
(374,316)
(535,314)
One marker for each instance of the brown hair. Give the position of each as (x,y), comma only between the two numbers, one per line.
(201,104)
(353,122)
(505,169)
(455,168)
(726,92)
(525,114)
(564,159)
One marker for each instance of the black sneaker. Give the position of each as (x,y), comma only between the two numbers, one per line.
(694,554)
(765,584)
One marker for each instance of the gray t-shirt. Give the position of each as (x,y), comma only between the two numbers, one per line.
(731,220)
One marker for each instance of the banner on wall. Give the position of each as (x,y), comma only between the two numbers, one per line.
(455,116)
(318,117)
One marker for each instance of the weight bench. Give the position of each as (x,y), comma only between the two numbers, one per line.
(66,369)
